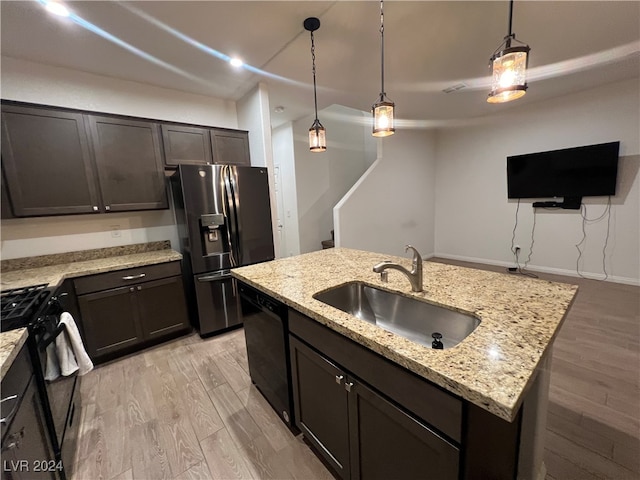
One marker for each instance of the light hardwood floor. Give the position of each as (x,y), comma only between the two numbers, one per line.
(187,409)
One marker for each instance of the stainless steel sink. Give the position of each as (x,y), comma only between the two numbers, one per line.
(407,317)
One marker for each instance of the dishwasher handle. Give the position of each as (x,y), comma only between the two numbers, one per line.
(261,302)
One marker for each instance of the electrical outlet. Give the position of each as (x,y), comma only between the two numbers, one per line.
(115,231)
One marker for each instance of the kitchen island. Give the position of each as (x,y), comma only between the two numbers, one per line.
(497,368)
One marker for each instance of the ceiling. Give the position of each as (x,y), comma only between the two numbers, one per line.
(429,46)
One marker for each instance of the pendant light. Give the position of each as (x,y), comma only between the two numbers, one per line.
(317,134)
(509,68)
(383,108)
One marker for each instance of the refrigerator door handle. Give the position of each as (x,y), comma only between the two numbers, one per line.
(215,276)
(233,230)
(229,213)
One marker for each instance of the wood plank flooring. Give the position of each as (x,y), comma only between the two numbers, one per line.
(187,409)
(593,422)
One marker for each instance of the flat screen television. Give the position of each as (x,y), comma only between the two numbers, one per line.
(577,172)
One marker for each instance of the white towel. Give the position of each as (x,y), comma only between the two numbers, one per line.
(75,357)
(67,357)
(53,367)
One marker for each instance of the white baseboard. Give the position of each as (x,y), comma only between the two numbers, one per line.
(536,268)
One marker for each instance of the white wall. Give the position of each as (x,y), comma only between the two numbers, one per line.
(253,115)
(284,161)
(37,83)
(43,84)
(393,203)
(323,178)
(474,220)
(27,237)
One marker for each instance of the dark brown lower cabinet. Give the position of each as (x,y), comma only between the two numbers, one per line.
(360,433)
(118,320)
(25,450)
(322,405)
(163,308)
(110,321)
(389,443)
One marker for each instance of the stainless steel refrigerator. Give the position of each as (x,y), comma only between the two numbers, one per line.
(224,220)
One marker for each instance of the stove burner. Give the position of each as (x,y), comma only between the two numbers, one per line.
(18,305)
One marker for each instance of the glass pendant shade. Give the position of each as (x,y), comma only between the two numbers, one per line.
(509,71)
(317,137)
(383,119)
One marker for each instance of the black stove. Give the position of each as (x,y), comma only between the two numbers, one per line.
(19,306)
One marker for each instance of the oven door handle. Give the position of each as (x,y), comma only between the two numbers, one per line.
(51,338)
(8,418)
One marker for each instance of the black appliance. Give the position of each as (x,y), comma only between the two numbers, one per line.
(38,308)
(266,330)
(571,173)
(223,214)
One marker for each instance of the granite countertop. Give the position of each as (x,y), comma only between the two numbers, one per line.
(10,344)
(54,269)
(492,368)
(78,265)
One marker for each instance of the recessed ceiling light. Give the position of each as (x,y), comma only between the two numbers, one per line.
(279,109)
(57,9)
(236,62)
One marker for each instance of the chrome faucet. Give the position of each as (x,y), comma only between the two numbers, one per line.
(414,276)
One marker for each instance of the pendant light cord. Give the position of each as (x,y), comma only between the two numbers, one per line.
(510,36)
(313,69)
(382,92)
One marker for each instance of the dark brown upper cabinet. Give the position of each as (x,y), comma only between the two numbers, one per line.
(186,145)
(129,163)
(47,162)
(5,204)
(230,147)
(199,145)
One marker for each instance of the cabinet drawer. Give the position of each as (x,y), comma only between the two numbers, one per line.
(125,277)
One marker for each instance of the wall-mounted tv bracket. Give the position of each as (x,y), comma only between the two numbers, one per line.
(568,203)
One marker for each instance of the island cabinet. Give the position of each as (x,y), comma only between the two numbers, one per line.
(368,417)
(200,145)
(60,161)
(129,309)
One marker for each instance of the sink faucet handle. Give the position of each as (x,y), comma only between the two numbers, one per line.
(416,253)
(384,276)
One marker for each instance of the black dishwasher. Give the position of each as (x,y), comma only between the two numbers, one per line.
(266,334)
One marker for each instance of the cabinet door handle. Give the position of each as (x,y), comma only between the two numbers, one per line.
(95,208)
(131,289)
(139,287)
(107,208)
(348,386)
(14,440)
(134,277)
(6,419)
(339,379)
